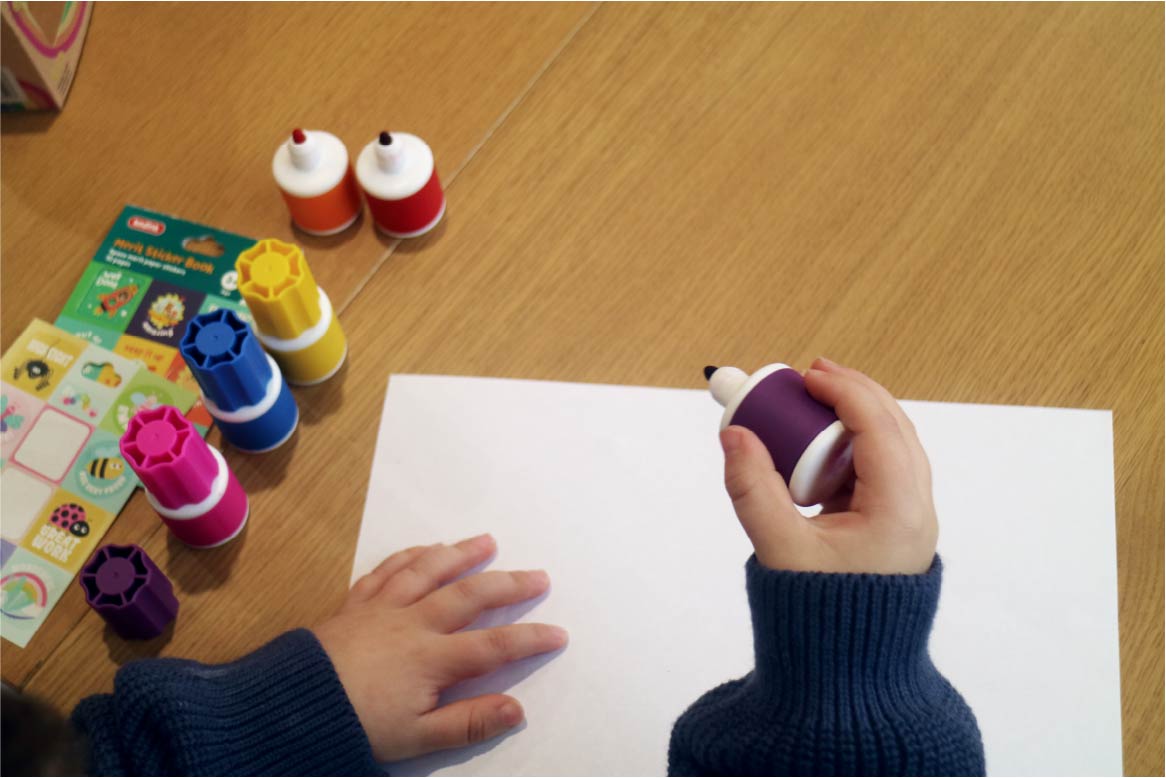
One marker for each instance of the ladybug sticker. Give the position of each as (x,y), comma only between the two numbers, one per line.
(71,516)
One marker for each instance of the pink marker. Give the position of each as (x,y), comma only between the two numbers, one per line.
(187,481)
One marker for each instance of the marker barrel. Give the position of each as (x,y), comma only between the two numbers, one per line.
(124,586)
(401,185)
(187,481)
(810,447)
(317,182)
(294,319)
(242,387)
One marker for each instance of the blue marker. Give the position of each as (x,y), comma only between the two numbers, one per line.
(241,385)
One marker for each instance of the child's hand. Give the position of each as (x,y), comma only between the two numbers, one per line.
(395,645)
(885,524)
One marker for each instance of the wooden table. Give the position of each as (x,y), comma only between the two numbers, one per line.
(965,201)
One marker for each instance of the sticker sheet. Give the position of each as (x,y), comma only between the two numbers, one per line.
(63,406)
(152,274)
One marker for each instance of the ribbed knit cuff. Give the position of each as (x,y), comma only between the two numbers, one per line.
(280,710)
(830,640)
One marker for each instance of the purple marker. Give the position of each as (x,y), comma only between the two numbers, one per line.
(128,590)
(810,447)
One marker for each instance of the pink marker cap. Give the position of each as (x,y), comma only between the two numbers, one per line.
(175,464)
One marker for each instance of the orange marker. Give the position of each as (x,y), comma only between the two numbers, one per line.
(317,182)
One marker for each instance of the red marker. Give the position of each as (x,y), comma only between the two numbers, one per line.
(399,179)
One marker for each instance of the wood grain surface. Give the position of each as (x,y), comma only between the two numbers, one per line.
(965,201)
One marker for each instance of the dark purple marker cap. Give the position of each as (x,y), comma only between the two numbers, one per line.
(128,590)
(782,413)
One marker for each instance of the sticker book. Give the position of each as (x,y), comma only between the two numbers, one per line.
(64,404)
(152,274)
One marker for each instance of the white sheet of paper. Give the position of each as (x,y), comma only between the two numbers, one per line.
(616,491)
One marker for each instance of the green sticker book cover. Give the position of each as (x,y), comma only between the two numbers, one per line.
(151,275)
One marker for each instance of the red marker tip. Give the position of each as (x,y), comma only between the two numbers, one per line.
(298,136)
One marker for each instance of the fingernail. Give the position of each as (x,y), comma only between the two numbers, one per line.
(484,539)
(730,440)
(561,636)
(827,362)
(539,577)
(510,713)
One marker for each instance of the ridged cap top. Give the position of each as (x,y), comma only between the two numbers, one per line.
(175,464)
(226,359)
(278,287)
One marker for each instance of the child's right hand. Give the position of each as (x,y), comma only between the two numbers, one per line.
(396,645)
(885,524)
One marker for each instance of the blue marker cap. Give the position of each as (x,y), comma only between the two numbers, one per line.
(226,359)
(241,385)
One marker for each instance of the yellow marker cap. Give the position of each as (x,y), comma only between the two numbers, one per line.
(294,319)
(277,285)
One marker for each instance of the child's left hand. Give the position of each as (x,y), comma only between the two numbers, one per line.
(395,645)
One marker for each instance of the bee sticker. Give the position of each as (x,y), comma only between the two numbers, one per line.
(106,468)
(101,474)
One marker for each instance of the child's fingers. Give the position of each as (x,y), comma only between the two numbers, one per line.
(859,407)
(885,397)
(454,606)
(881,456)
(370,583)
(906,426)
(480,651)
(465,722)
(435,567)
(760,497)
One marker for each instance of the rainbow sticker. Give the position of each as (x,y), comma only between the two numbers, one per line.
(23,595)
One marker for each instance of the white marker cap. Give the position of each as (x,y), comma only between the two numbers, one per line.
(725,382)
(390,156)
(305,155)
(311,167)
(394,170)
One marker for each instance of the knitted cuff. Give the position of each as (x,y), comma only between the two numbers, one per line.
(840,639)
(280,710)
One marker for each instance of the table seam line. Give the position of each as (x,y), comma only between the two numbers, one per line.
(507,112)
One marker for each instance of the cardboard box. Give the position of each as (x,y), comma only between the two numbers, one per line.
(40,46)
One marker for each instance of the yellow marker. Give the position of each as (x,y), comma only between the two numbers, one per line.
(293,316)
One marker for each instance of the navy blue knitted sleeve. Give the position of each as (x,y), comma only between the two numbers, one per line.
(843,685)
(278,711)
